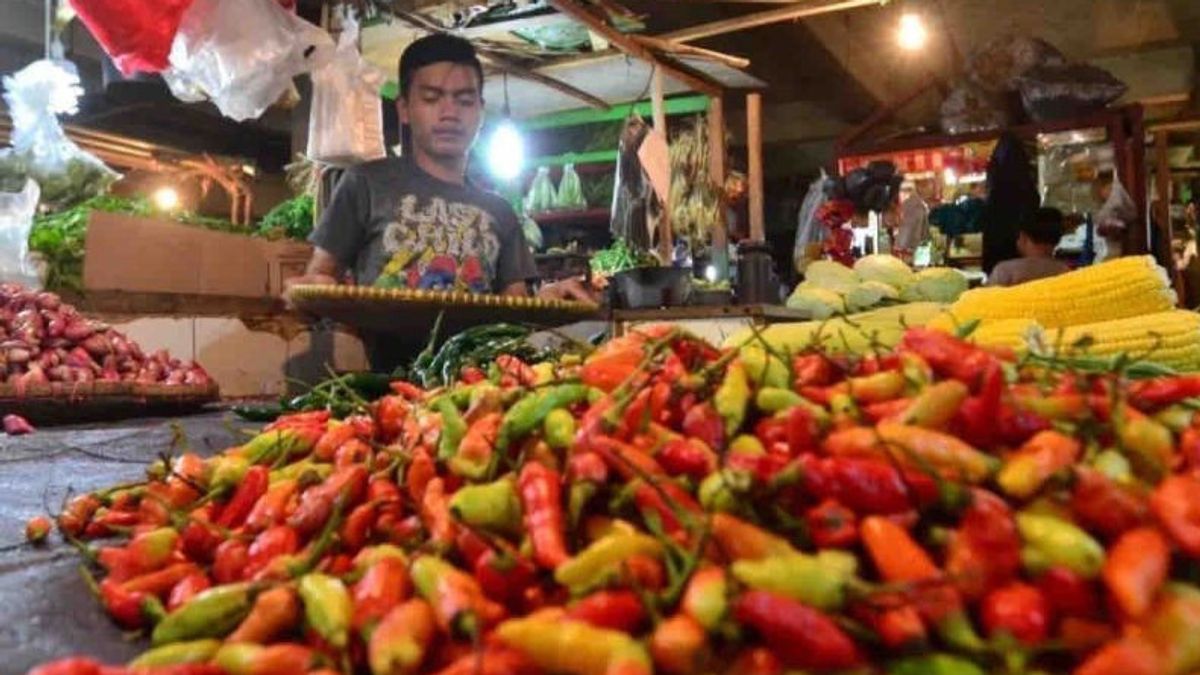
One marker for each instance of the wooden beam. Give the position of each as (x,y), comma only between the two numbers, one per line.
(508,65)
(629,45)
(668,47)
(754,166)
(884,112)
(1162,211)
(799,10)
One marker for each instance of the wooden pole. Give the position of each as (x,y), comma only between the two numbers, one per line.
(1162,213)
(716,173)
(800,10)
(666,241)
(626,43)
(754,165)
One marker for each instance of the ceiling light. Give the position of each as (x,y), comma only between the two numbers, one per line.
(166,199)
(912,35)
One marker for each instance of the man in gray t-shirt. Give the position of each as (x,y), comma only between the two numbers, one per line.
(416,222)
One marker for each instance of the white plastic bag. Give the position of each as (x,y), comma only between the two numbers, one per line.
(345,125)
(569,195)
(808,231)
(1112,219)
(16,220)
(242,54)
(36,95)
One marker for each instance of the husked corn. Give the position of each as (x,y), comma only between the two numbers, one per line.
(1171,338)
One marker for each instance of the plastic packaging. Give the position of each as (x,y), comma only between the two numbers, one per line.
(570,192)
(541,195)
(996,66)
(242,54)
(136,34)
(66,175)
(632,194)
(809,232)
(1062,91)
(345,125)
(969,108)
(16,220)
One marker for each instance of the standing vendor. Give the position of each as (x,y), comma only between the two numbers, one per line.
(415,221)
(1036,242)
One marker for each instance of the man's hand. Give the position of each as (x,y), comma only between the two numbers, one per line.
(304,280)
(572,288)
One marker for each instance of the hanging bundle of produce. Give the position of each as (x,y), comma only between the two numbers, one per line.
(345,123)
(665,506)
(569,195)
(695,204)
(242,55)
(633,196)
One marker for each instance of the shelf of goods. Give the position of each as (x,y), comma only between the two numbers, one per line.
(923,503)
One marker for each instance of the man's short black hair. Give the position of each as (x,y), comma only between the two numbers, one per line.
(1046,227)
(437,48)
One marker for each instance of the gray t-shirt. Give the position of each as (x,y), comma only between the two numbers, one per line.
(396,226)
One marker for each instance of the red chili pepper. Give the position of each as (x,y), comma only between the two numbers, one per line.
(1019,610)
(504,575)
(353,451)
(75,665)
(274,542)
(626,460)
(356,529)
(702,421)
(187,588)
(588,467)
(274,506)
(316,504)
(755,661)
(985,549)
(813,370)
(831,525)
(642,572)
(420,471)
(541,503)
(230,560)
(408,390)
(162,581)
(876,412)
(1176,504)
(948,355)
(493,660)
(1163,391)
(1136,568)
(687,457)
(292,420)
(199,540)
(1189,447)
(331,440)
(390,413)
(384,586)
(865,485)
(1067,593)
(1131,655)
(664,501)
(383,490)
(899,627)
(1099,503)
(253,486)
(802,636)
(127,608)
(435,513)
(616,610)
(74,518)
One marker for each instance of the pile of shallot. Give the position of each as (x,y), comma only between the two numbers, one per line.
(43,339)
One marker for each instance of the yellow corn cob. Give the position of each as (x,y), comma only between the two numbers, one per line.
(855,334)
(1010,333)
(1121,288)
(1171,338)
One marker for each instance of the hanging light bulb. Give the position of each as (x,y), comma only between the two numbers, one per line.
(166,198)
(912,34)
(506,148)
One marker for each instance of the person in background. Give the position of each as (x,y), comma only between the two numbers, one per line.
(1036,240)
(913,228)
(416,221)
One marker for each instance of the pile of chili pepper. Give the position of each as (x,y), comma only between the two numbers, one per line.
(665,506)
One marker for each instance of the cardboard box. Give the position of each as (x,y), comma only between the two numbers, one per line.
(160,256)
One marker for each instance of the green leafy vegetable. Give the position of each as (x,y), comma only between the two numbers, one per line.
(292,219)
(620,257)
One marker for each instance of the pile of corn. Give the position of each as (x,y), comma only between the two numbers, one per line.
(1124,306)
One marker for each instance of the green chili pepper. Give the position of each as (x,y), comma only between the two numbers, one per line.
(746,444)
(296,470)
(732,397)
(1149,446)
(453,428)
(528,413)
(212,613)
(578,496)
(492,506)
(719,490)
(227,472)
(327,607)
(559,429)
(1050,541)
(237,658)
(179,653)
(934,664)
(590,565)
(268,446)
(367,557)
(809,579)
(574,646)
(764,369)
(1176,417)
(777,399)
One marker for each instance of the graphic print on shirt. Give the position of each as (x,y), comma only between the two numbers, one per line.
(443,246)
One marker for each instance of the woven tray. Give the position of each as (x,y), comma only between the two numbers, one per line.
(403,311)
(60,403)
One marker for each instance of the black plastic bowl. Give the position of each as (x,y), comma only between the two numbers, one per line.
(646,287)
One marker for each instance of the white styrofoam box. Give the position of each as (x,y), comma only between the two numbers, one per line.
(243,362)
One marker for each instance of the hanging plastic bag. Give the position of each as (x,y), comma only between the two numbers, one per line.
(1065,91)
(345,125)
(541,195)
(632,193)
(16,220)
(136,34)
(242,54)
(570,192)
(66,175)
(809,233)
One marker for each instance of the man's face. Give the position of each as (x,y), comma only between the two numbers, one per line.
(443,109)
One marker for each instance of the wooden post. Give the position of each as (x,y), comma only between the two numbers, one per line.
(716,173)
(1162,213)
(754,165)
(666,242)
